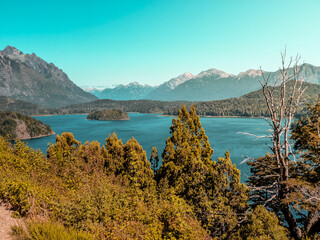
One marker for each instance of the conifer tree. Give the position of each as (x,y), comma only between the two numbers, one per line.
(114,154)
(136,166)
(213,189)
(154,160)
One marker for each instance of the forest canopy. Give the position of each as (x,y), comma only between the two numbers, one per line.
(112,191)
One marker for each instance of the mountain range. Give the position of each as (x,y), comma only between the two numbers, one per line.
(29,78)
(209,85)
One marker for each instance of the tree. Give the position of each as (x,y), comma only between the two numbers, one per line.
(275,174)
(262,224)
(306,183)
(212,188)
(136,166)
(154,160)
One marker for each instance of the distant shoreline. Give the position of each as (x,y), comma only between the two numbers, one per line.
(164,115)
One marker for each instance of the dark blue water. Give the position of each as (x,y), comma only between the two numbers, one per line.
(153,130)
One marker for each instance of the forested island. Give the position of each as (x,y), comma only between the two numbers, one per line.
(108,115)
(17,125)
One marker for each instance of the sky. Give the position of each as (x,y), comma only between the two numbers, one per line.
(106,43)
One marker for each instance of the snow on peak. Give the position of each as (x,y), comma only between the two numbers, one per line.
(251,73)
(213,71)
(174,82)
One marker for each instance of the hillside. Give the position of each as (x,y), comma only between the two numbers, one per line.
(162,91)
(16,125)
(249,105)
(9,104)
(141,106)
(214,84)
(29,78)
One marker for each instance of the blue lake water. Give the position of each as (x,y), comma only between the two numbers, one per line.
(153,130)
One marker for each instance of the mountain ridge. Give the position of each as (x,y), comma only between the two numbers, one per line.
(212,84)
(29,78)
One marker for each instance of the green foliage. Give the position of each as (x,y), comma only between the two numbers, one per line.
(154,160)
(76,186)
(262,224)
(14,105)
(49,230)
(303,184)
(10,121)
(213,189)
(108,114)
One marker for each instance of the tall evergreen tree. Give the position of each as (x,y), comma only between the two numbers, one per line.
(154,160)
(212,188)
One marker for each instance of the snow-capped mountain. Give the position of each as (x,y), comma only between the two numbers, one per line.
(162,91)
(212,84)
(132,91)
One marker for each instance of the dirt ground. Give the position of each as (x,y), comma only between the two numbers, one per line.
(6,221)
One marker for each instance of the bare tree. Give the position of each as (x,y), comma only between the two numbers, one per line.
(271,173)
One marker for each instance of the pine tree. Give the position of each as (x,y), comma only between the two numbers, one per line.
(154,160)
(212,188)
(136,166)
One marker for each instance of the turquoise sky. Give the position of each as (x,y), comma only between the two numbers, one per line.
(104,43)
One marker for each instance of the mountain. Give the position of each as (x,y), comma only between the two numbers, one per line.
(94,91)
(132,91)
(162,91)
(29,78)
(251,104)
(214,84)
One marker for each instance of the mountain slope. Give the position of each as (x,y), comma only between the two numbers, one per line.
(132,91)
(214,84)
(162,91)
(12,105)
(249,105)
(29,78)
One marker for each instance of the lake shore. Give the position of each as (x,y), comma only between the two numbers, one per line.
(164,115)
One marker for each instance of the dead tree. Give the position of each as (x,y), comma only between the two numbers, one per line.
(269,181)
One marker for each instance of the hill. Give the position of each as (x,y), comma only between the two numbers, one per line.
(9,104)
(141,106)
(249,105)
(29,78)
(16,125)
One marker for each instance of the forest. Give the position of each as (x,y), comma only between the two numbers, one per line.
(108,114)
(112,191)
(16,125)
(89,191)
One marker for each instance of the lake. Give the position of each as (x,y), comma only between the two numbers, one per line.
(153,130)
